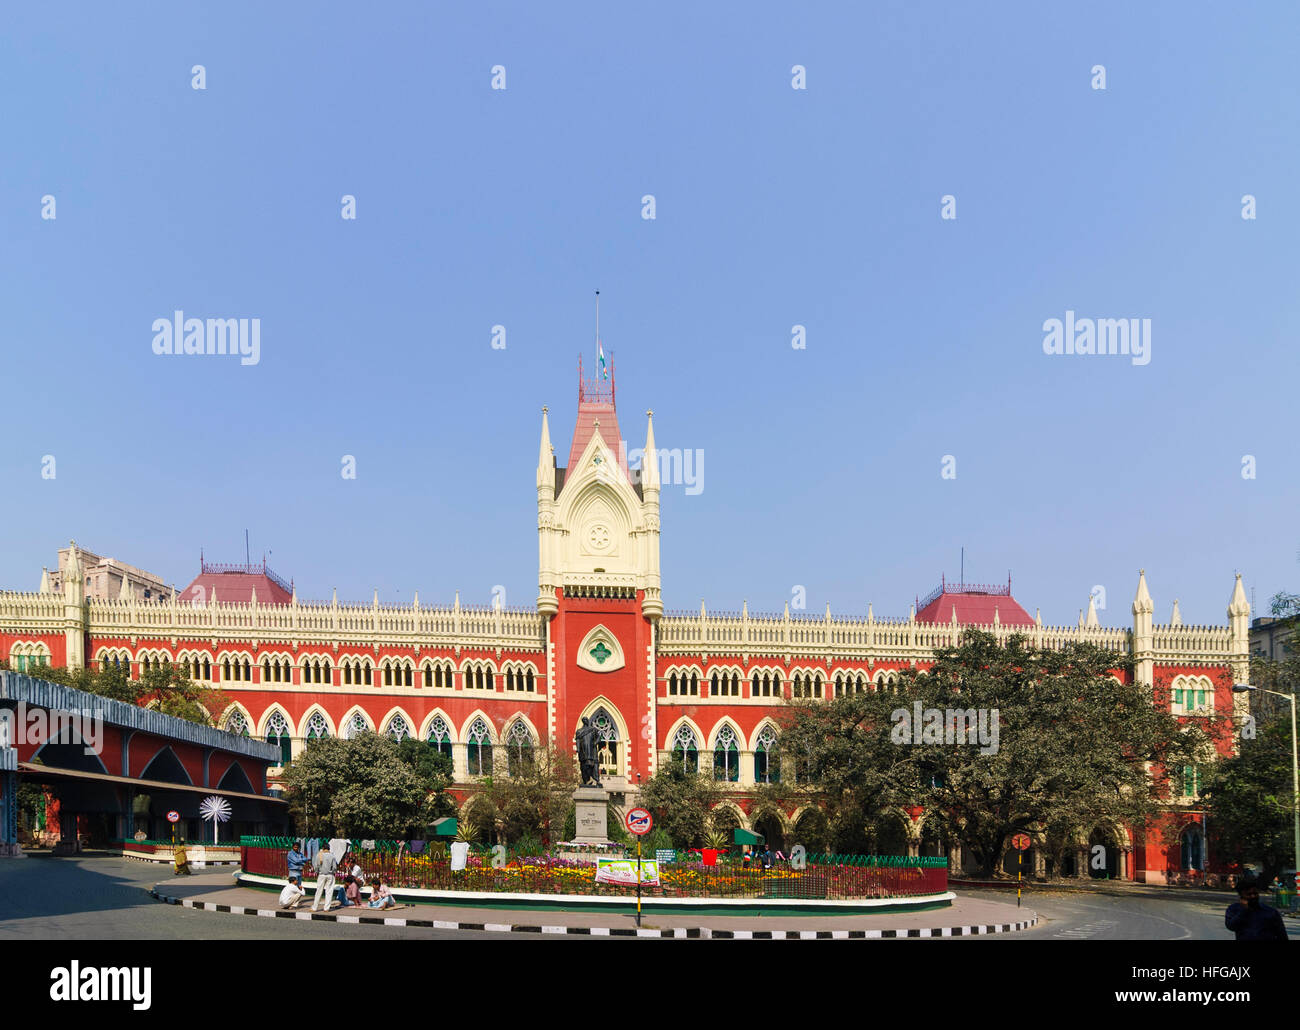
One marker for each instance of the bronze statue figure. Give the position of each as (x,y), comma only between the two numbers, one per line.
(587,740)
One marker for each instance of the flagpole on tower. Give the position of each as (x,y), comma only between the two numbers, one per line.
(602,372)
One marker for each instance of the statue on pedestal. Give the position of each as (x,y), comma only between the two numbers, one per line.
(586,740)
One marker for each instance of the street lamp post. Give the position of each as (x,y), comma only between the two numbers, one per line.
(1241,688)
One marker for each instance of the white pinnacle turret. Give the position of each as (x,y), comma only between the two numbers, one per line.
(649,461)
(1238,605)
(1142,604)
(546,458)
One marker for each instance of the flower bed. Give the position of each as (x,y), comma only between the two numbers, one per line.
(821,877)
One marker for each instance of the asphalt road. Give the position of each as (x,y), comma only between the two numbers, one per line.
(1124,914)
(104,898)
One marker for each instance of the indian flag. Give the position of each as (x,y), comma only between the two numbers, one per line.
(600,358)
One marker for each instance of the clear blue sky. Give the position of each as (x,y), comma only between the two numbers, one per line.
(775,207)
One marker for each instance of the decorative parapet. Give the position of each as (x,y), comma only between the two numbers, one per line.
(319,622)
(24,613)
(1192,643)
(871,639)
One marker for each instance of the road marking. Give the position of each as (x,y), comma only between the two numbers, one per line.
(1087,929)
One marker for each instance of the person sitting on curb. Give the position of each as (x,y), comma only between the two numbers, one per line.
(292,894)
(1252,920)
(380,896)
(352,893)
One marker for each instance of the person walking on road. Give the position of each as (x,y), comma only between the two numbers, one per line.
(326,866)
(1252,920)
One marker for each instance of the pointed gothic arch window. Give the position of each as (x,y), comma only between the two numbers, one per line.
(608,751)
(530,684)
(356,725)
(398,728)
(439,736)
(686,749)
(236,723)
(277,733)
(478,749)
(317,727)
(767,758)
(519,748)
(726,755)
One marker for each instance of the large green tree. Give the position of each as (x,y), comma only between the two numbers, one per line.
(1250,796)
(680,802)
(1250,801)
(530,803)
(1068,743)
(359,787)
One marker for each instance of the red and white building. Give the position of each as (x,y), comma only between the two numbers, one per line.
(697,687)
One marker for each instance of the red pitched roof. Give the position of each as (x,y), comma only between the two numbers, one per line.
(975,605)
(596,404)
(237,583)
(589,413)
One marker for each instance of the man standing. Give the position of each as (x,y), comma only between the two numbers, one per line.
(326,866)
(1252,920)
(296,860)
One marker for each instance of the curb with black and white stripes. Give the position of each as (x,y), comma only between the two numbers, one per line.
(681,932)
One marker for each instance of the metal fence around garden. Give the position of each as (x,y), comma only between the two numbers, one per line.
(819,877)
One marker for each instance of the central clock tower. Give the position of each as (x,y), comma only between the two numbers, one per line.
(598,581)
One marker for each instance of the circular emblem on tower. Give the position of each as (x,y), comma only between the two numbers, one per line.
(599,537)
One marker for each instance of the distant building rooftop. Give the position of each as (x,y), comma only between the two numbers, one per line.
(975,604)
(237,583)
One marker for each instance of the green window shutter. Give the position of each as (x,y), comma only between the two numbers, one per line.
(1178,696)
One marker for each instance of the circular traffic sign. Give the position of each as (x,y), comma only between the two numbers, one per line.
(173,816)
(638,821)
(1020,842)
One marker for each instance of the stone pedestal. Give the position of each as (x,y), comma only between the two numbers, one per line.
(590,815)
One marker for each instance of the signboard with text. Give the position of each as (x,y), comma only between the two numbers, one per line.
(623,871)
